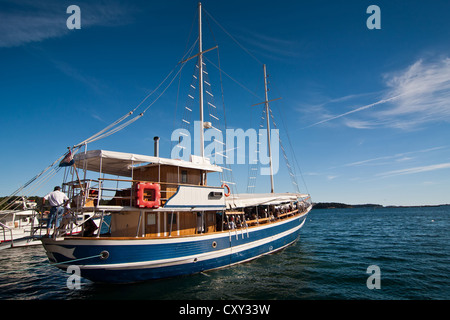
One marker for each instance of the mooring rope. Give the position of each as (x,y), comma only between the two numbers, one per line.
(52,264)
(74,260)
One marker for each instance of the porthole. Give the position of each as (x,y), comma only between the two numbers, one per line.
(214,244)
(104,255)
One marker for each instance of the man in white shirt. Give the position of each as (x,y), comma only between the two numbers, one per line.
(57,200)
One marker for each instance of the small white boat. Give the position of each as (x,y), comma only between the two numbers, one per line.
(26,226)
(20,227)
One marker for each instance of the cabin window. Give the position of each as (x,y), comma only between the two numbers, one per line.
(151,219)
(183,176)
(200,222)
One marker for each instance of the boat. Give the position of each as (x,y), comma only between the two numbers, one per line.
(24,225)
(160,217)
(20,226)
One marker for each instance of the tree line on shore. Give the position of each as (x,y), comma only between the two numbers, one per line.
(8,204)
(337,205)
(318,205)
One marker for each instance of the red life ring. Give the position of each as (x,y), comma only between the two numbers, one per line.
(142,195)
(228,188)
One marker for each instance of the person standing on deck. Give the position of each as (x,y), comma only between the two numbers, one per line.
(57,200)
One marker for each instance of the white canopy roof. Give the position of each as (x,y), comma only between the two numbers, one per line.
(120,163)
(248,199)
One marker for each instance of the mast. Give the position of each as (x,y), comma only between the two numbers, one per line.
(200,78)
(268,128)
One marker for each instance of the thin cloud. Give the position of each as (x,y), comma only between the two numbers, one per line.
(274,47)
(360,124)
(415,170)
(398,157)
(34,21)
(424,90)
(19,28)
(423,97)
(79,76)
(319,108)
(354,111)
(415,96)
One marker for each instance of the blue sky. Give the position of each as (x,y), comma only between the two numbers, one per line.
(367,111)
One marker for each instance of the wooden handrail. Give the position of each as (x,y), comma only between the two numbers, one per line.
(259,220)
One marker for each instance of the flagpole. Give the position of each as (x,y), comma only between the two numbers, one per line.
(76,170)
(78,177)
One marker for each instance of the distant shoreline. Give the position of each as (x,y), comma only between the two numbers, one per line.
(318,205)
(337,205)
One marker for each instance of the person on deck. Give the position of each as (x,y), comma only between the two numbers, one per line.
(57,200)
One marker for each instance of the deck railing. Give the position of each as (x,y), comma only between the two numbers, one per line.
(90,193)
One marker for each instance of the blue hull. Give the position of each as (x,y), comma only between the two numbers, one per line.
(140,259)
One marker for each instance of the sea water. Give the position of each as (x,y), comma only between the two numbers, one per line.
(330,260)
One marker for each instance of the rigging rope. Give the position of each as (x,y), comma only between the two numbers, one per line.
(30,181)
(232,38)
(281,116)
(113,127)
(51,264)
(289,167)
(119,124)
(227,174)
(105,132)
(293,153)
(237,82)
(259,61)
